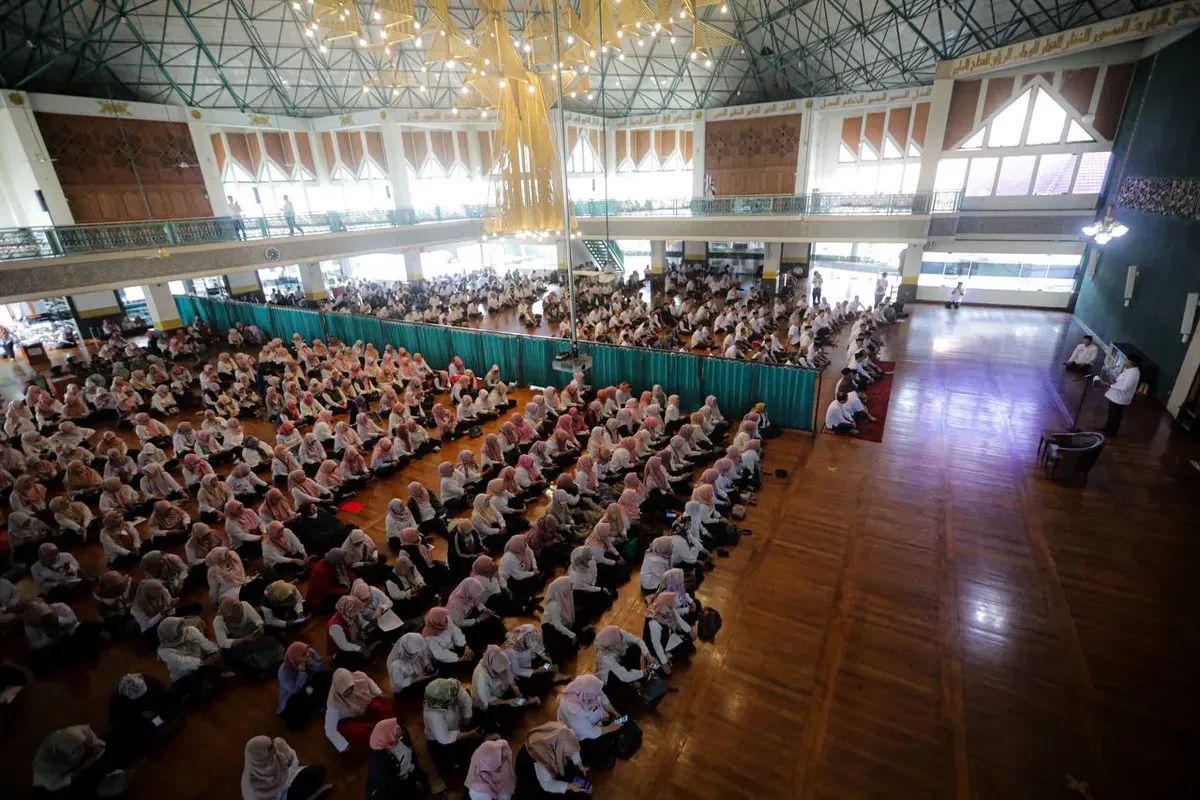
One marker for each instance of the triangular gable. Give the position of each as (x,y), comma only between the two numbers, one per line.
(1039,108)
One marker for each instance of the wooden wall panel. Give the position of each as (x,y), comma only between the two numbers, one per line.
(464,150)
(1077,87)
(441,144)
(753,157)
(686,145)
(641,145)
(415,149)
(256,155)
(375,149)
(873,131)
(897,126)
(239,150)
(920,123)
(998,91)
(350,148)
(596,139)
(273,143)
(485,151)
(622,146)
(961,118)
(852,133)
(304,146)
(331,159)
(219,151)
(1112,99)
(124,170)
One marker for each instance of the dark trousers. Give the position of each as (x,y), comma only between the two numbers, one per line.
(1116,412)
(816,291)
(844,427)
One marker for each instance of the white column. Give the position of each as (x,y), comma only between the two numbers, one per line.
(209,169)
(412,266)
(161,304)
(26,168)
(610,153)
(397,164)
(699,171)
(695,252)
(772,260)
(474,155)
(322,169)
(935,133)
(242,283)
(312,280)
(564,256)
(658,256)
(92,308)
(808,136)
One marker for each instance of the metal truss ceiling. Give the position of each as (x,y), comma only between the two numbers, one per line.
(253,55)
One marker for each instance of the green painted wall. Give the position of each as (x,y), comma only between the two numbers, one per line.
(1165,249)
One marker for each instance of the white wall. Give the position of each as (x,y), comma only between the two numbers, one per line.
(997,297)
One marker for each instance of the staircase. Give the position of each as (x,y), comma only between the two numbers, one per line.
(605,254)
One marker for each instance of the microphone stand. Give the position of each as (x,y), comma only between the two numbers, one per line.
(1087,382)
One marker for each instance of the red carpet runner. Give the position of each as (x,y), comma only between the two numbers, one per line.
(877,400)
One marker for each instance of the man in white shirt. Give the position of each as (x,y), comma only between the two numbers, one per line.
(289,216)
(956,295)
(816,282)
(881,287)
(1120,394)
(838,417)
(1083,356)
(235,211)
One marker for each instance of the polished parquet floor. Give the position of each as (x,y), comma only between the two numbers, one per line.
(919,618)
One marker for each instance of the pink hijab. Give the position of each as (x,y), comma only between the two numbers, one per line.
(492,772)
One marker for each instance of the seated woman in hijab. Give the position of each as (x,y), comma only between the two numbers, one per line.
(347,632)
(492,774)
(152,603)
(158,485)
(75,762)
(587,711)
(426,509)
(330,580)
(256,453)
(272,770)
(119,465)
(282,552)
(623,662)
(354,470)
(489,524)
(58,575)
(329,478)
(276,508)
(318,529)
(26,533)
(244,528)
(142,714)
(468,472)
(518,570)
(283,462)
(82,482)
(311,453)
(560,629)
(495,692)
(202,541)
(121,542)
(591,600)
(282,607)
(169,525)
(122,498)
(113,594)
(447,644)
(212,497)
(304,489)
(452,490)
(303,686)
(467,609)
(75,520)
(354,705)
(195,469)
(226,575)
(238,630)
(392,770)
(407,589)
(245,485)
(364,558)
(466,544)
(666,633)
(56,636)
(449,729)
(549,762)
(409,663)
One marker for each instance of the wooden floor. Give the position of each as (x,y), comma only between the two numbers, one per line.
(919,618)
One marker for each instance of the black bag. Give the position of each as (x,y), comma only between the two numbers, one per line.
(709,624)
(653,690)
(629,740)
(587,636)
(474,431)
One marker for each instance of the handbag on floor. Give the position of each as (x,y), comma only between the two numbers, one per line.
(738,512)
(474,432)
(653,690)
(709,624)
(629,740)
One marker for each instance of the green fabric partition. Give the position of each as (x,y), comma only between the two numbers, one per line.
(288,321)
(399,334)
(351,327)
(789,394)
(468,345)
(678,373)
(186,306)
(262,318)
(613,365)
(732,382)
(537,357)
(503,351)
(434,344)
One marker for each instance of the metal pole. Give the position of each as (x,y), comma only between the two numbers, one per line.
(1087,383)
(562,160)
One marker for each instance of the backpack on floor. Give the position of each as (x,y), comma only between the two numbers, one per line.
(738,512)
(709,624)
(629,740)
(653,690)
(474,431)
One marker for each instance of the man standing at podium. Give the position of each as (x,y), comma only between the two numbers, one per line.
(1120,394)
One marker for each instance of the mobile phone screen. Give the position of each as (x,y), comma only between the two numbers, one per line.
(621,720)
(520,701)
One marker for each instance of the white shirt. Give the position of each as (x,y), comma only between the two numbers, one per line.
(1084,354)
(443,724)
(838,414)
(1124,387)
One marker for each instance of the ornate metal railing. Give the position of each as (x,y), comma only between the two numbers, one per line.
(23,243)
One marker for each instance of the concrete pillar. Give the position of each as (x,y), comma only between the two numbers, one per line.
(475,156)
(771,260)
(26,169)
(207,162)
(610,153)
(413,270)
(658,256)
(935,133)
(312,281)
(161,305)
(699,171)
(793,256)
(804,156)
(322,169)
(564,256)
(92,308)
(346,267)
(244,285)
(695,253)
(397,163)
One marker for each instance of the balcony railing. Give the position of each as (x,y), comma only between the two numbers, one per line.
(24,243)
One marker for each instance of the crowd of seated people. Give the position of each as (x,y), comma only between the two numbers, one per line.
(638,487)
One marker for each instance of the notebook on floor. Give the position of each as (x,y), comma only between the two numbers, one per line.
(352,506)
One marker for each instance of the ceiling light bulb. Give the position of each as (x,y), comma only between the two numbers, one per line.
(395,91)
(424,68)
(296,6)
(641,42)
(672,40)
(308,32)
(724,9)
(570,40)
(422,87)
(708,62)
(591,95)
(366,88)
(416,25)
(487,62)
(503,83)
(528,47)
(362,42)
(693,55)
(620,34)
(604,49)
(464,89)
(532,89)
(324,49)
(454,111)
(574,94)
(387,51)
(443,33)
(621,57)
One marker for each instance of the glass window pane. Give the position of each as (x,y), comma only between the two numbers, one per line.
(950,175)
(1054,174)
(1006,126)
(1015,174)
(865,180)
(890,150)
(845,154)
(1092,167)
(866,153)
(981,176)
(1046,124)
(911,173)
(890,176)
(913,151)
(1076,133)
(975,142)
